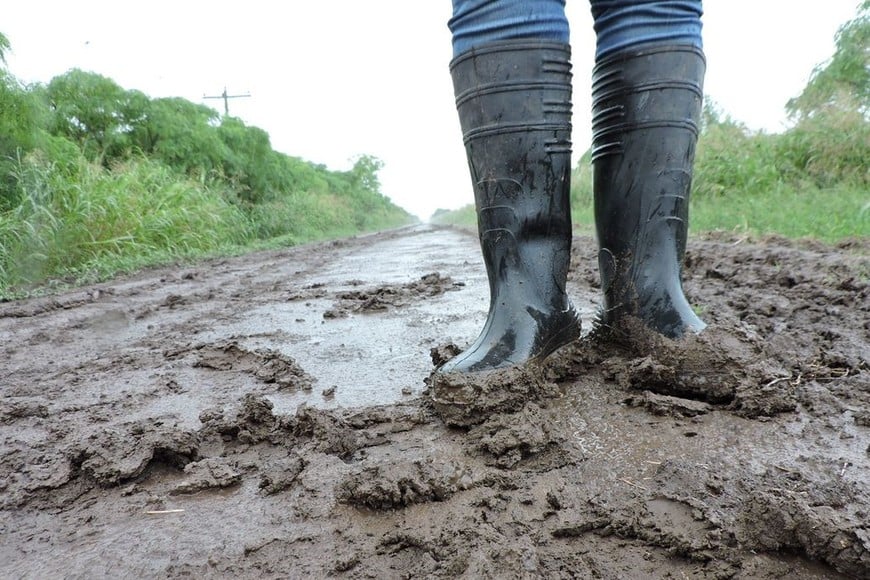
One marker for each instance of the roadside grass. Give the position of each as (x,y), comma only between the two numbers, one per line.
(830,214)
(464,217)
(81,223)
(755,208)
(76,221)
(812,181)
(826,214)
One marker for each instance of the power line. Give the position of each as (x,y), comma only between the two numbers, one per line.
(226,99)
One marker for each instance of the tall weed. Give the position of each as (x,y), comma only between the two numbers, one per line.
(84,221)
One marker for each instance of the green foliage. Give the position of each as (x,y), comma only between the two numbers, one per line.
(80,220)
(21,116)
(370,209)
(793,210)
(338,203)
(364,174)
(581,192)
(181,134)
(463,217)
(844,81)
(809,181)
(730,158)
(94,112)
(812,180)
(829,148)
(321,216)
(4,47)
(96,179)
(257,172)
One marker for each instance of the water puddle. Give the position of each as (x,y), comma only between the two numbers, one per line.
(382,356)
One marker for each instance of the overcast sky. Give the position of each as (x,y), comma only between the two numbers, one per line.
(333,79)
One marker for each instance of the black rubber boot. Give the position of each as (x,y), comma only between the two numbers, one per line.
(646,114)
(514,103)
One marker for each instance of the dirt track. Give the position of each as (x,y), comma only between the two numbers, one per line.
(266,417)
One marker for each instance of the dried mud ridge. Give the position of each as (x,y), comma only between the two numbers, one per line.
(744,453)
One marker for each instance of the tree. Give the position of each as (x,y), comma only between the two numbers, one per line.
(93,111)
(256,170)
(4,47)
(181,134)
(844,81)
(364,175)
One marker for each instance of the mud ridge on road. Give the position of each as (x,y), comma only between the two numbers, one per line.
(180,423)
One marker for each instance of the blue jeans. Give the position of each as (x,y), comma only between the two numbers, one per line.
(619,24)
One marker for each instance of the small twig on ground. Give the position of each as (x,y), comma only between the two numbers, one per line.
(786,469)
(631,483)
(774,381)
(162,512)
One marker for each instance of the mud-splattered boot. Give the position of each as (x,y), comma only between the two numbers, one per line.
(514,103)
(646,112)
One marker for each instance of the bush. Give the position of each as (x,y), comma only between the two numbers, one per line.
(829,148)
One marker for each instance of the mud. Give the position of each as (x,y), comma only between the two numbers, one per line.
(176,424)
(465,399)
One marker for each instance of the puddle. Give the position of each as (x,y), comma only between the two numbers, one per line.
(376,357)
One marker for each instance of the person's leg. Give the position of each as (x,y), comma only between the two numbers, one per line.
(623,24)
(480,22)
(512,80)
(647,98)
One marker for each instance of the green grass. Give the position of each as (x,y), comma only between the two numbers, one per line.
(96,222)
(812,181)
(77,221)
(462,217)
(829,215)
(83,222)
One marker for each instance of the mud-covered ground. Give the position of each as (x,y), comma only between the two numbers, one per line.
(267,417)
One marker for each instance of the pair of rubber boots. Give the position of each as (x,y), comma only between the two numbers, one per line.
(514,104)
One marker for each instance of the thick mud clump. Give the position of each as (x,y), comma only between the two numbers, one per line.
(266,365)
(401,483)
(725,365)
(464,399)
(166,425)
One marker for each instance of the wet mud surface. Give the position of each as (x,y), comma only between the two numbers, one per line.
(268,417)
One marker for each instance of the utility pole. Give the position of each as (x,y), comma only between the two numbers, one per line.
(226,99)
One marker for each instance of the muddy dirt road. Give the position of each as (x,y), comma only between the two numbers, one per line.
(267,417)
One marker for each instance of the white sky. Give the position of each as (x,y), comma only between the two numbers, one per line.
(332,79)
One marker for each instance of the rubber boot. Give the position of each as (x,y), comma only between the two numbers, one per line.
(514,104)
(646,114)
